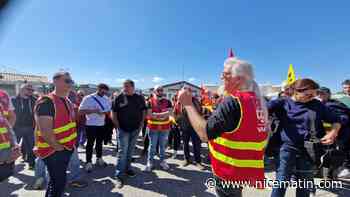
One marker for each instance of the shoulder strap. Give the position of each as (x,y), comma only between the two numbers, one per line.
(312,116)
(99,103)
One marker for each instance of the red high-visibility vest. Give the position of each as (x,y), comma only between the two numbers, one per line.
(239,155)
(4,112)
(159,106)
(64,127)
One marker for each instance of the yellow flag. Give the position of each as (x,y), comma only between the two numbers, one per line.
(291,75)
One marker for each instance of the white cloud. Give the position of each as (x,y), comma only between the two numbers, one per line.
(157,79)
(192,79)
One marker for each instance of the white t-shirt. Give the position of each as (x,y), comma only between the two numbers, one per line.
(90,103)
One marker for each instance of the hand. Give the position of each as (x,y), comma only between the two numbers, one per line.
(58,147)
(185,97)
(16,153)
(329,138)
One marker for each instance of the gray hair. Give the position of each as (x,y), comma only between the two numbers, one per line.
(245,69)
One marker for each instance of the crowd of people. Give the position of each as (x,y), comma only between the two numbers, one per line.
(243,130)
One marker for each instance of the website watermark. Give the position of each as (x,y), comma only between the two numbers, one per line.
(270,184)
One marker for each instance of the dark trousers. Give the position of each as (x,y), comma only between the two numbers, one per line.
(94,133)
(223,191)
(6,170)
(26,134)
(174,138)
(57,164)
(187,135)
(293,160)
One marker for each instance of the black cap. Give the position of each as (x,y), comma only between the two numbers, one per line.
(325,90)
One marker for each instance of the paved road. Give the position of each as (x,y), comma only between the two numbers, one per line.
(178,181)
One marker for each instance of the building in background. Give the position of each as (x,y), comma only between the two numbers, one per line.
(269,90)
(171,89)
(11,82)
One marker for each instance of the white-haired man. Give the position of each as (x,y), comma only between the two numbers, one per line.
(236,131)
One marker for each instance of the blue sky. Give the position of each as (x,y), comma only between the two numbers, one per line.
(150,41)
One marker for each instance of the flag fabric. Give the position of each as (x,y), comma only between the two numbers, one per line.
(291,75)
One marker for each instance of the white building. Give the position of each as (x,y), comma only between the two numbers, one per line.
(11,82)
(171,89)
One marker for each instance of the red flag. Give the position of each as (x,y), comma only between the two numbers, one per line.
(231,54)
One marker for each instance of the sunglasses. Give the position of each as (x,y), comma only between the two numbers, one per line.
(68,81)
(29,89)
(81,95)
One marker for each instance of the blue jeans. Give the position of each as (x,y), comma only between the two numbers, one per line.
(155,137)
(291,158)
(81,139)
(73,168)
(126,145)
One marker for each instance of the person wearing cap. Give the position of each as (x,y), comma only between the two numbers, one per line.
(324,95)
(95,107)
(158,126)
(301,120)
(344,96)
(56,132)
(236,130)
(24,128)
(9,149)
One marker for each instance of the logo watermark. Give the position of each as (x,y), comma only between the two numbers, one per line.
(211,183)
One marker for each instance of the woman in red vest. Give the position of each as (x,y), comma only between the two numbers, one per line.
(236,131)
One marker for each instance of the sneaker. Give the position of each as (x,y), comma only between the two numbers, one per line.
(78,184)
(31,167)
(101,162)
(118,182)
(342,173)
(164,165)
(130,173)
(149,167)
(186,163)
(88,167)
(38,184)
(200,166)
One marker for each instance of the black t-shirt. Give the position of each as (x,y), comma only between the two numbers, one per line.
(129,111)
(45,107)
(225,118)
(24,111)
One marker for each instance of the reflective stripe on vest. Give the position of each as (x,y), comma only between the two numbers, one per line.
(61,141)
(158,122)
(239,145)
(236,162)
(3,130)
(63,128)
(4,144)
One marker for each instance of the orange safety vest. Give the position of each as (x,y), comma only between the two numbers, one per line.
(4,112)
(64,128)
(239,155)
(159,106)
